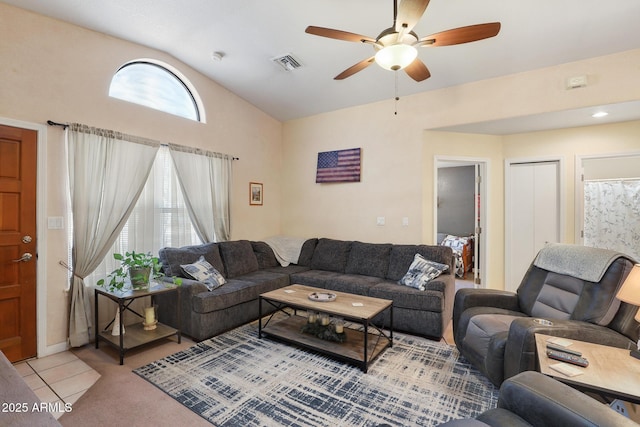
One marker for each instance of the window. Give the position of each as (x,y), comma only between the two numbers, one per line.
(156,86)
(160,219)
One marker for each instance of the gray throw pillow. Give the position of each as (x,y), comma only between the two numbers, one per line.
(421,272)
(204,272)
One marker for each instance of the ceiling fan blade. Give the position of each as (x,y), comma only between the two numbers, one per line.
(461,35)
(409,13)
(417,70)
(337,34)
(355,68)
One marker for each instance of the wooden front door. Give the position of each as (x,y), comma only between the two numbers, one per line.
(18,151)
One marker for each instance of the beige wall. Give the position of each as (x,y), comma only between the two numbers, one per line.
(613,139)
(53,70)
(390,183)
(485,148)
(398,152)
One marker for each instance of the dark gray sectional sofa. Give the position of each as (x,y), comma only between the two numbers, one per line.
(251,269)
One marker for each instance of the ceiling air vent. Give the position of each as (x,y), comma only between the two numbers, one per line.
(287,62)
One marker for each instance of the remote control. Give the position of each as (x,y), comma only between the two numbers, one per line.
(569,358)
(551,346)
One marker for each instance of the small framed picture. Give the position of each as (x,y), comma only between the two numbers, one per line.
(255,193)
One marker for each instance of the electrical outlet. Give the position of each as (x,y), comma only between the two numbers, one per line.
(618,406)
(380,220)
(405,221)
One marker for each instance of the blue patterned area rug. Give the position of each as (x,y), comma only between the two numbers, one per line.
(236,379)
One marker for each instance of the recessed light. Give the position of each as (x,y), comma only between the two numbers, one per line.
(599,114)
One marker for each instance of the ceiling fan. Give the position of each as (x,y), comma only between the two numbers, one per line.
(396,46)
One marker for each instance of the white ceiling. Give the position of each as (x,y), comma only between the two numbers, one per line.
(534,34)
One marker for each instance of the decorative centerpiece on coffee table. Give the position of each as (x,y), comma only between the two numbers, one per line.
(322,296)
(320,326)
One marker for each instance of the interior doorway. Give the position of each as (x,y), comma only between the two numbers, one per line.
(608,202)
(460,216)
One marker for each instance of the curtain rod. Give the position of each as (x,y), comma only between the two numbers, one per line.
(65,126)
(611,179)
(52,123)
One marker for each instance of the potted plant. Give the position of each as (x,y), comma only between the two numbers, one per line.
(139,267)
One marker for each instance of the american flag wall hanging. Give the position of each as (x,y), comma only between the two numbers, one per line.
(339,166)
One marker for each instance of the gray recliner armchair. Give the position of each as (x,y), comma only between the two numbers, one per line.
(532,399)
(573,287)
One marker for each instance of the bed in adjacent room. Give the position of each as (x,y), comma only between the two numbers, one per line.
(462,250)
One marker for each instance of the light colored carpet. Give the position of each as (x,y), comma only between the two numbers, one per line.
(121,398)
(237,379)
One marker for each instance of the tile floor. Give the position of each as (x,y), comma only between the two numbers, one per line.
(58,379)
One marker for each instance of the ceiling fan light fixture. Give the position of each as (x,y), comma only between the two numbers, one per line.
(396,56)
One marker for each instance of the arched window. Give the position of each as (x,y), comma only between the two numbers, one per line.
(157,86)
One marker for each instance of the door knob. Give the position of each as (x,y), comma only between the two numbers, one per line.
(24,258)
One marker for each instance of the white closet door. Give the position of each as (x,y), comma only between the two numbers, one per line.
(533,218)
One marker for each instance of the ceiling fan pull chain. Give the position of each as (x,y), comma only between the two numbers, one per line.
(397,98)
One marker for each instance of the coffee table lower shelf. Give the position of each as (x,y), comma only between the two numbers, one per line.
(352,350)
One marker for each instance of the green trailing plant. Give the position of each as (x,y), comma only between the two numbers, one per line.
(139,267)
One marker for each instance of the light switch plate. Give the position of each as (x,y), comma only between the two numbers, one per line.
(55,223)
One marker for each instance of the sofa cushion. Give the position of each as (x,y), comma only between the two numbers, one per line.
(264,254)
(276,280)
(238,257)
(316,278)
(238,291)
(204,272)
(353,283)
(172,258)
(331,255)
(402,256)
(288,270)
(406,297)
(306,253)
(369,259)
(422,271)
(232,293)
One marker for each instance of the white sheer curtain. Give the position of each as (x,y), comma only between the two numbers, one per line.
(159,219)
(612,215)
(107,171)
(205,179)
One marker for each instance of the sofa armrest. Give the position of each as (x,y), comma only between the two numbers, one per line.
(543,401)
(520,352)
(467,298)
(168,301)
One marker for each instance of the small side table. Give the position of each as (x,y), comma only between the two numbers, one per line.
(611,371)
(135,335)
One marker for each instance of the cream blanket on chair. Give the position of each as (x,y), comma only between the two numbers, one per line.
(286,249)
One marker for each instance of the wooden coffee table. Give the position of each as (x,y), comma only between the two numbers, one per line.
(360,347)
